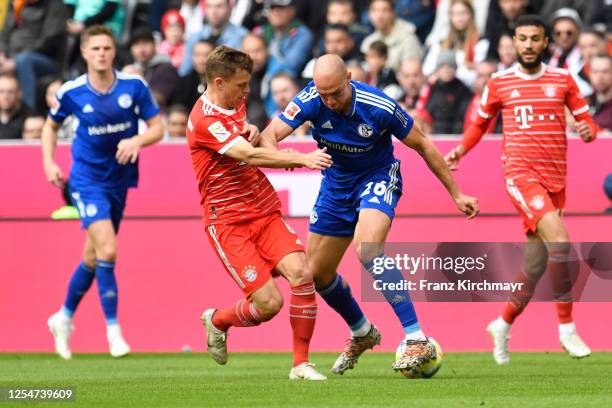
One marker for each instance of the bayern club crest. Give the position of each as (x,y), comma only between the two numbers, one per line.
(250,273)
(550,91)
(365,130)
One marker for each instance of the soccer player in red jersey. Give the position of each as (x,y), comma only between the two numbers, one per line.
(242,212)
(532,98)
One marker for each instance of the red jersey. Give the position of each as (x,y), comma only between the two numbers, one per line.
(534,128)
(231,191)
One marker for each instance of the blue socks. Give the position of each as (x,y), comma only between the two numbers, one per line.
(107,287)
(80,282)
(338,296)
(398,299)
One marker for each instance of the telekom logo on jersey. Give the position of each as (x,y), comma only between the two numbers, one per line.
(523,114)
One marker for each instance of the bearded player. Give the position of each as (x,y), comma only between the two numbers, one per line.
(242,212)
(532,98)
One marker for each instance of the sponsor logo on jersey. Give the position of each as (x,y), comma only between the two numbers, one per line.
(537,202)
(219,131)
(249,273)
(291,111)
(110,128)
(365,130)
(345,147)
(124,100)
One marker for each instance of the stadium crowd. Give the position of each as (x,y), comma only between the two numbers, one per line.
(432,56)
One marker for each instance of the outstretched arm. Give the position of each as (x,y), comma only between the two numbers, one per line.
(416,140)
(276,131)
(271,158)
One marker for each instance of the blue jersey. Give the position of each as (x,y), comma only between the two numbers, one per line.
(360,141)
(103,120)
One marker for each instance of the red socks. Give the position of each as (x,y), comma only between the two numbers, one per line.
(242,314)
(302,315)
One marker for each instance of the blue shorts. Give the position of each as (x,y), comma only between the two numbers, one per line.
(99,205)
(336,210)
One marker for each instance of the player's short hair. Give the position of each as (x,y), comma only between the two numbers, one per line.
(225,61)
(391,3)
(338,27)
(530,20)
(379,48)
(94,30)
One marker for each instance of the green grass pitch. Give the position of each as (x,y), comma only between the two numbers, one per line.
(260,380)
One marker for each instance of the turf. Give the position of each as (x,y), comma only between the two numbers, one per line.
(260,380)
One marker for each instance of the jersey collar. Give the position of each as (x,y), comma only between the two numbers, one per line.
(228,112)
(523,75)
(110,90)
(354,101)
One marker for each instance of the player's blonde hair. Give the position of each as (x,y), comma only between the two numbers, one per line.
(226,61)
(94,30)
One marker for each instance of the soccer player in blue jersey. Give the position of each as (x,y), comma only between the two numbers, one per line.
(358,195)
(105,150)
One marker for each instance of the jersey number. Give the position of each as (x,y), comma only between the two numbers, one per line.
(379,189)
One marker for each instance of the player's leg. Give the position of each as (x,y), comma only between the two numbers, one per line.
(262,299)
(370,235)
(553,232)
(302,313)
(534,266)
(60,323)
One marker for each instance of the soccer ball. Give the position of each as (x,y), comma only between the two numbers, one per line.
(425,370)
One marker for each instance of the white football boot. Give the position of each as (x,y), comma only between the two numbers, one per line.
(61,328)
(116,344)
(498,330)
(216,339)
(306,371)
(571,342)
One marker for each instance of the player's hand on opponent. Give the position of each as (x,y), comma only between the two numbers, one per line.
(452,158)
(252,134)
(584,130)
(54,174)
(127,150)
(467,205)
(317,159)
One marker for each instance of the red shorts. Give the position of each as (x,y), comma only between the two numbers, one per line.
(532,201)
(251,250)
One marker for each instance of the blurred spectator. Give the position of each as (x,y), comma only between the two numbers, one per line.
(312,14)
(377,74)
(176,121)
(283,88)
(566,25)
(608,190)
(601,17)
(173,28)
(218,30)
(601,100)
(442,23)
(590,43)
(12,112)
(343,12)
(338,40)
(399,35)
(32,127)
(448,98)
(259,101)
(30,41)
(412,80)
(191,86)
(484,70)
(500,20)
(85,13)
(421,13)
(583,7)
(289,41)
(156,68)
(507,52)
(462,39)
(248,13)
(356,70)
(193,14)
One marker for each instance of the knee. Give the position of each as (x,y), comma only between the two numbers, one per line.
(559,246)
(107,252)
(367,251)
(299,274)
(270,307)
